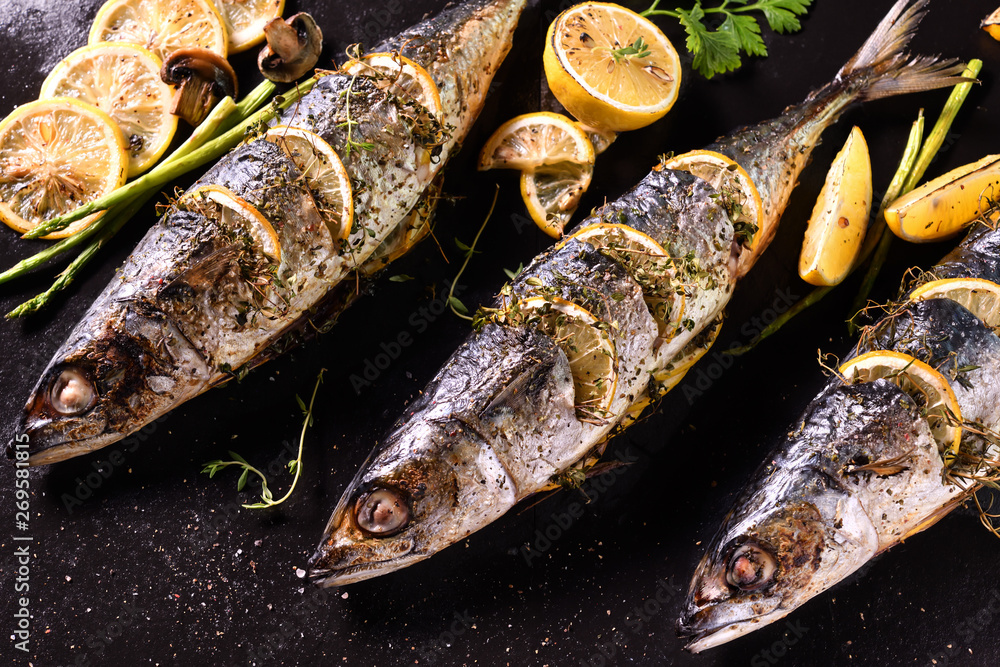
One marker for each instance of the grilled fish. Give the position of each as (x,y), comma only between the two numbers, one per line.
(860,472)
(504,416)
(195,303)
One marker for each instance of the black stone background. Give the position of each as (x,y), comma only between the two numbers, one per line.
(155,563)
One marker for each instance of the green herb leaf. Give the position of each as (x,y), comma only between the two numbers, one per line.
(714,52)
(746,32)
(455,303)
(243,479)
(781,14)
(400,278)
(302,404)
(516,272)
(237,457)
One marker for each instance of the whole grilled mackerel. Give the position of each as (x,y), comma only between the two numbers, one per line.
(195,303)
(859,472)
(500,421)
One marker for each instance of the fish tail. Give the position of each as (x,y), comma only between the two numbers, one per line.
(882,67)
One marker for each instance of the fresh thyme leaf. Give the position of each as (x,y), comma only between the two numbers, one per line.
(243,479)
(469,252)
(516,272)
(302,404)
(400,278)
(237,457)
(637,49)
(455,303)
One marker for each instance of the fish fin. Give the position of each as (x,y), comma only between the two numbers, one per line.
(514,391)
(883,68)
(203,272)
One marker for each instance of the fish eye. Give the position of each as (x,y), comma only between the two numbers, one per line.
(382,512)
(751,567)
(71,393)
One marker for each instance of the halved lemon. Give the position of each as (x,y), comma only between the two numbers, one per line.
(991,24)
(590,350)
(942,207)
(737,193)
(215,201)
(55,155)
(926,386)
(245,20)
(123,81)
(611,68)
(981,297)
(324,175)
(536,139)
(161,26)
(839,219)
(401,76)
(648,264)
(553,192)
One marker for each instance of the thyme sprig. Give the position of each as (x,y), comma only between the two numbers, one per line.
(454,303)
(294,466)
(637,49)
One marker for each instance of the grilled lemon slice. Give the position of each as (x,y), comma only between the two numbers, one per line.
(926,386)
(401,76)
(611,68)
(981,297)
(55,155)
(536,139)
(839,219)
(123,81)
(161,26)
(324,174)
(553,192)
(590,350)
(245,20)
(217,202)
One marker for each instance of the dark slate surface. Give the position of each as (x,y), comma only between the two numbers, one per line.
(159,566)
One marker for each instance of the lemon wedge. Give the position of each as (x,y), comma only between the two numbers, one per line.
(981,297)
(400,76)
(161,26)
(839,219)
(926,386)
(552,193)
(535,139)
(991,24)
(123,81)
(55,155)
(245,20)
(324,174)
(590,350)
(611,68)
(233,213)
(942,207)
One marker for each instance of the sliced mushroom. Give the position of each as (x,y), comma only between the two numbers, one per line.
(293,47)
(202,78)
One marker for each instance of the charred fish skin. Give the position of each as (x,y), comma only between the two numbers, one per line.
(688,218)
(869,511)
(195,304)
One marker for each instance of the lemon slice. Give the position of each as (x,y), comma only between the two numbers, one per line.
(940,208)
(324,175)
(55,155)
(599,139)
(400,76)
(217,202)
(648,264)
(161,26)
(991,24)
(981,297)
(839,219)
(536,139)
(245,20)
(553,192)
(925,385)
(610,67)
(123,81)
(590,350)
(738,194)
(670,375)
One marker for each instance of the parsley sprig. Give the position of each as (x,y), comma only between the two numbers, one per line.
(717,50)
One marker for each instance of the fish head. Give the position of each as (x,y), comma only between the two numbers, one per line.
(110,379)
(432,484)
(813,514)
